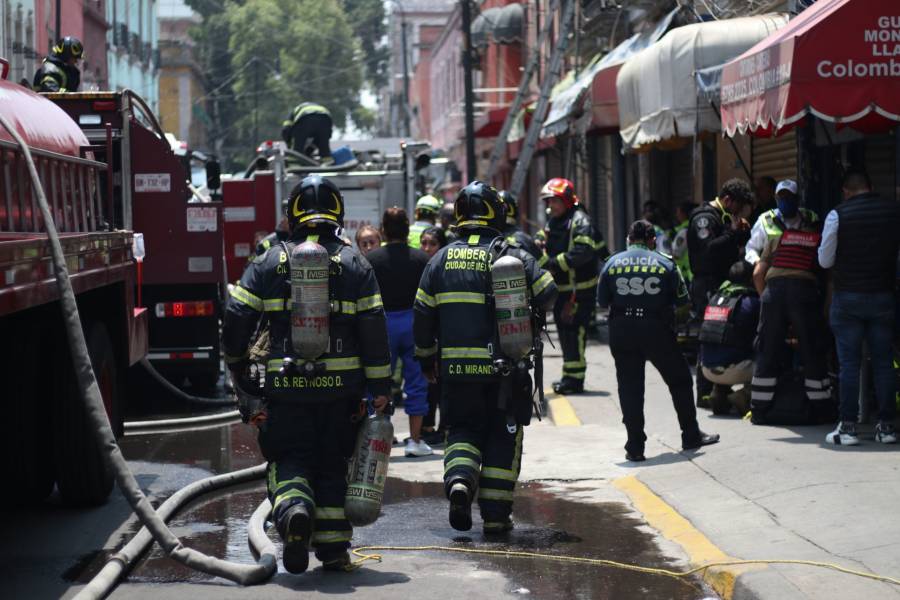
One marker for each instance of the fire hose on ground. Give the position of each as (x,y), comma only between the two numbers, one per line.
(177,391)
(244,574)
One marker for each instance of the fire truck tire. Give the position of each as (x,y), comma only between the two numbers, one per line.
(84,479)
(27,455)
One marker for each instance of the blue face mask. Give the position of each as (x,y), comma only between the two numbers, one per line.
(788,205)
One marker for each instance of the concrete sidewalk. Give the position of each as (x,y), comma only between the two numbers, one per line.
(761,493)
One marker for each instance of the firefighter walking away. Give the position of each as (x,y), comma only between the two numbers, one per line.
(328,347)
(476,303)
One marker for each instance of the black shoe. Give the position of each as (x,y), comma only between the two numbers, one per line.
(433,438)
(635,457)
(567,385)
(339,564)
(460,507)
(296,536)
(705,439)
(498,527)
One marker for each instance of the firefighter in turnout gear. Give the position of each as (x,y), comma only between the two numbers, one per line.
(328,347)
(642,289)
(462,317)
(787,277)
(514,234)
(59,71)
(309,122)
(427,208)
(573,249)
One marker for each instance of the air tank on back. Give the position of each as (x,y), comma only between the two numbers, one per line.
(512,309)
(310,304)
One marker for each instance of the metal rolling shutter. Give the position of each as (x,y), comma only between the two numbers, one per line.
(597,151)
(775,157)
(880,164)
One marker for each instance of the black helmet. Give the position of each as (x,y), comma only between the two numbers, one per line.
(479,205)
(315,200)
(69,47)
(512,207)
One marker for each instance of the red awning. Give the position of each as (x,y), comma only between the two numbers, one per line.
(490,123)
(839,60)
(604,101)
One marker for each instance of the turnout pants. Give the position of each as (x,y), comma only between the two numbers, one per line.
(633,342)
(797,302)
(315,127)
(572,334)
(308,447)
(480,450)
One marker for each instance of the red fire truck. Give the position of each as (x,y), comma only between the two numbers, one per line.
(183,274)
(47,438)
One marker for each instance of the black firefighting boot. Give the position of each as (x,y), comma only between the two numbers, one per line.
(460,506)
(498,526)
(340,563)
(296,531)
(568,385)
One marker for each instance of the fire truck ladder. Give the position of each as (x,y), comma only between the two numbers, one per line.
(540,111)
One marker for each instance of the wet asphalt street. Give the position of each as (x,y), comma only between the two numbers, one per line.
(60,559)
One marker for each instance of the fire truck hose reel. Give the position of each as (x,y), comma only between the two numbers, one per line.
(243,574)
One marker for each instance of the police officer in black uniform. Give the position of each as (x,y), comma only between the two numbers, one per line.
(306,426)
(455,319)
(59,71)
(513,233)
(573,251)
(642,288)
(716,235)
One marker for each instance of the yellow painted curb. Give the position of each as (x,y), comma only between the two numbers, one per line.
(561,411)
(674,527)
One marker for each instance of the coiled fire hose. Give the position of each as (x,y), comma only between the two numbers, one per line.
(244,574)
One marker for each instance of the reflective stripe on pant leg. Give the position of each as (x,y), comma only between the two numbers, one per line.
(762,389)
(576,368)
(497,484)
(818,389)
(333,531)
(462,460)
(286,491)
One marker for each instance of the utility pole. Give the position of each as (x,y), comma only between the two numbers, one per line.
(58,20)
(255,108)
(406,110)
(471,166)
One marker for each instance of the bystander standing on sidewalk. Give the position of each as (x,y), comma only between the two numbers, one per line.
(860,242)
(398,269)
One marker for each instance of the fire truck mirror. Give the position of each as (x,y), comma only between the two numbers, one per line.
(213,174)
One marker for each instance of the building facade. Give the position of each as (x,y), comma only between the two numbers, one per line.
(133,56)
(181,83)
(18,38)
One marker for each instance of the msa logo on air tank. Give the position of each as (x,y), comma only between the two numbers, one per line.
(637,286)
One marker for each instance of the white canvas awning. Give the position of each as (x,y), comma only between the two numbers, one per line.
(657,89)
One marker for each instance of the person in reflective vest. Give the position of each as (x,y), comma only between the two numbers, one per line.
(679,240)
(642,289)
(307,424)
(767,225)
(788,279)
(59,71)
(726,339)
(427,208)
(572,251)
(483,407)
(309,122)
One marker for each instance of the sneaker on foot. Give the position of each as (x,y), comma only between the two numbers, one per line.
(885,433)
(420,448)
(460,507)
(844,434)
(296,536)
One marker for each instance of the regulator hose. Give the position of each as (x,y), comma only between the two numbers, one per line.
(244,574)
(177,391)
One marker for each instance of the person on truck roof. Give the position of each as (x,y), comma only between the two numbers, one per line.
(307,127)
(59,71)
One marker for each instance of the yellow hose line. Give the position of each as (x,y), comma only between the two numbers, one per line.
(363,557)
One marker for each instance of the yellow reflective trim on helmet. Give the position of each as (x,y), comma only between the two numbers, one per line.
(245,297)
(472,222)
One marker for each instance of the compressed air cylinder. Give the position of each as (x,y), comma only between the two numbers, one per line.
(511,305)
(310,305)
(368,471)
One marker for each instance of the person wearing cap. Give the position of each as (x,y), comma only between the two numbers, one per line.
(788,280)
(572,248)
(787,211)
(643,289)
(427,208)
